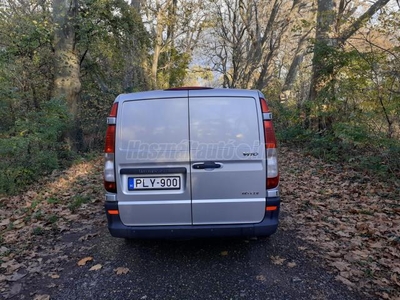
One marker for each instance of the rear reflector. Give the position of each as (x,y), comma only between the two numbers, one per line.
(113,212)
(271,208)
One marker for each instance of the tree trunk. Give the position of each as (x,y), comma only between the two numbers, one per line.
(171,12)
(326,18)
(325,21)
(294,67)
(157,50)
(136,4)
(134,56)
(67,84)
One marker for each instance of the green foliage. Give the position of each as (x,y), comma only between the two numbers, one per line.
(174,66)
(114,45)
(356,87)
(38,215)
(33,147)
(355,117)
(78,201)
(351,134)
(31,125)
(52,219)
(353,144)
(111,41)
(288,121)
(38,230)
(332,59)
(53,200)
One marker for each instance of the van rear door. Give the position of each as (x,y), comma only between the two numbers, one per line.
(152,159)
(228,172)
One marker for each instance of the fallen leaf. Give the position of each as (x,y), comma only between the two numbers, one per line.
(362,254)
(261,278)
(345,281)
(276,260)
(54,276)
(346,275)
(121,270)
(224,253)
(5,222)
(96,267)
(340,265)
(16,276)
(88,236)
(41,297)
(334,254)
(3,250)
(83,261)
(394,279)
(11,266)
(15,289)
(385,296)
(291,264)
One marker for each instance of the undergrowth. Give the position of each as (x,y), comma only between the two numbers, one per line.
(376,156)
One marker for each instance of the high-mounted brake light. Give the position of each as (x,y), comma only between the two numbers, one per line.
(185,88)
(109,149)
(270,147)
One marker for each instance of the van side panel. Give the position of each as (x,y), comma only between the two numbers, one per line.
(227,165)
(153,148)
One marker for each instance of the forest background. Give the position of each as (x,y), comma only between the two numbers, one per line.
(330,70)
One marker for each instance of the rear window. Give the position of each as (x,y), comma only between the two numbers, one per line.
(154,123)
(223,121)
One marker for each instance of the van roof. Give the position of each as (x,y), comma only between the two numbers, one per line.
(188,91)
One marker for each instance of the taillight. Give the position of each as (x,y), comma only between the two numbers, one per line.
(114,109)
(109,149)
(110,139)
(270,147)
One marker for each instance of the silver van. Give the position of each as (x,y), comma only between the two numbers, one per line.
(191,162)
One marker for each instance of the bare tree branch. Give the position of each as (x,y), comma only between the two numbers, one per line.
(361,20)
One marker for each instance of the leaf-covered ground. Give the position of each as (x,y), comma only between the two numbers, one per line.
(32,224)
(353,219)
(350,220)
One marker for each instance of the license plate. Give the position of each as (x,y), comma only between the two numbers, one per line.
(154,183)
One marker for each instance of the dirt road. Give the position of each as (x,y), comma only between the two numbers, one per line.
(338,239)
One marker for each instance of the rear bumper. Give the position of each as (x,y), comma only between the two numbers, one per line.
(266,227)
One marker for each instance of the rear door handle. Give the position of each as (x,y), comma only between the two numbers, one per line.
(207,165)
